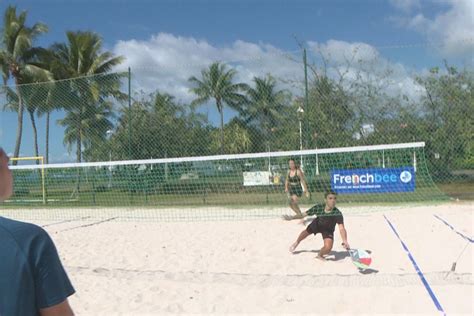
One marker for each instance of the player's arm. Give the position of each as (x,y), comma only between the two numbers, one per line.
(6,179)
(309,212)
(286,182)
(292,217)
(52,285)
(61,309)
(303,182)
(343,232)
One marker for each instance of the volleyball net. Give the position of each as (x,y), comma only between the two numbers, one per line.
(390,174)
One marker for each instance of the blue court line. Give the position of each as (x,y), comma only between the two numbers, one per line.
(454,229)
(418,271)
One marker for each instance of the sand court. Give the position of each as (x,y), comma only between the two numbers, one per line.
(126,267)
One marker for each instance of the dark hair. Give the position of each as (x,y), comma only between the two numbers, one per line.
(330,192)
(297,166)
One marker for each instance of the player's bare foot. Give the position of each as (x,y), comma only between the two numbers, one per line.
(320,258)
(293,247)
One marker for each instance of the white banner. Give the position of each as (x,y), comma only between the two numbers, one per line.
(257,178)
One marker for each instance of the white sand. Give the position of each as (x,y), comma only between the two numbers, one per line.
(243,267)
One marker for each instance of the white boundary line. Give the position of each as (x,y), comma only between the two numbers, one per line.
(224,157)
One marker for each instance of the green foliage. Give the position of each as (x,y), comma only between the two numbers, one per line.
(265,105)
(447,119)
(76,79)
(217,83)
(88,118)
(238,138)
(159,128)
(19,60)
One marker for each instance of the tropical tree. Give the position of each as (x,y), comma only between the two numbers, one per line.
(82,58)
(217,83)
(18,59)
(285,136)
(33,96)
(265,105)
(239,139)
(160,128)
(92,125)
(55,93)
(328,116)
(448,112)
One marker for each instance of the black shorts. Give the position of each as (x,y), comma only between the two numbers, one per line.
(314,228)
(296,190)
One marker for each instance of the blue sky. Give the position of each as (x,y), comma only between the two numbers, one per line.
(224,21)
(167,41)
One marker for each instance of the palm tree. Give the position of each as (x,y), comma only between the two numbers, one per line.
(57,91)
(92,127)
(33,97)
(82,56)
(265,104)
(217,83)
(50,104)
(18,58)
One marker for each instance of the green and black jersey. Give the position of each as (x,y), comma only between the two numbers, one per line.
(326,221)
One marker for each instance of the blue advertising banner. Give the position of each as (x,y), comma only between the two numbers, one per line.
(373,180)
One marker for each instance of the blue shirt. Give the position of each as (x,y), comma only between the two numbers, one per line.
(31,274)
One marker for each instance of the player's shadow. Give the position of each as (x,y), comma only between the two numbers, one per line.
(368,271)
(332,256)
(337,255)
(303,251)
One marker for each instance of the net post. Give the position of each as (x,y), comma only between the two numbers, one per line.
(42,171)
(414,160)
(317,163)
(43,182)
(166,167)
(129,113)
(306,97)
(129,132)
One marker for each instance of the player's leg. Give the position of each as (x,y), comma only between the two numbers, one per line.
(311,229)
(294,204)
(326,249)
(301,236)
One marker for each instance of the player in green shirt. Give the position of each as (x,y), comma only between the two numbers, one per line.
(327,216)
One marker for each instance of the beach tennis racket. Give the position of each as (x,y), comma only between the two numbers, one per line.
(360,258)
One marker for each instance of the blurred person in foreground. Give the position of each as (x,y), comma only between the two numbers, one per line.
(32,278)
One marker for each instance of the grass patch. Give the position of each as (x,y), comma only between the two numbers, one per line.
(458,190)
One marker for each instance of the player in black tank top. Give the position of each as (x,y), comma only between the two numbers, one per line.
(294,185)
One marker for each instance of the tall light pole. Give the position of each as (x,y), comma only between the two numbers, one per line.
(300,114)
(109,135)
(315,135)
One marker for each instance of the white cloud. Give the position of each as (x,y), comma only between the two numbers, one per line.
(166,62)
(342,52)
(453,29)
(362,63)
